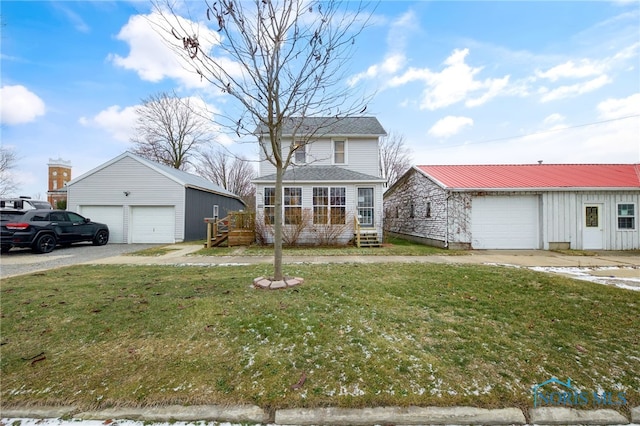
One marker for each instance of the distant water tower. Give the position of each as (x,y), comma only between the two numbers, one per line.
(59,175)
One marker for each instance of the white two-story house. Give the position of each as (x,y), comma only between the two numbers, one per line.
(333,186)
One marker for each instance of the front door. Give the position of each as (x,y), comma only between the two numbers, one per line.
(365,206)
(592,232)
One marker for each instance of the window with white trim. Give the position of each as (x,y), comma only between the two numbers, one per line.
(300,152)
(338,205)
(626,216)
(269,206)
(292,201)
(329,206)
(339,152)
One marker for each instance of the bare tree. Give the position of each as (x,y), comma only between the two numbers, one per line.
(233,173)
(395,157)
(169,130)
(280,61)
(8,160)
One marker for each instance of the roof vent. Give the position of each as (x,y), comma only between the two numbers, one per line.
(539,161)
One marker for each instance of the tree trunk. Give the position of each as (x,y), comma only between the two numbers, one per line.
(277,242)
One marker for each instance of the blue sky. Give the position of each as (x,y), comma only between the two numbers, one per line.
(463,82)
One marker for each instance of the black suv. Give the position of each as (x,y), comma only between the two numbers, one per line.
(43,230)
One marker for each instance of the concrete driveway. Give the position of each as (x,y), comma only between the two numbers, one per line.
(25,261)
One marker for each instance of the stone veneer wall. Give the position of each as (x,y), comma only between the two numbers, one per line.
(427,227)
(446,224)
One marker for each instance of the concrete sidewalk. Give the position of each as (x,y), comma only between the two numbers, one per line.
(524,258)
(613,268)
(243,414)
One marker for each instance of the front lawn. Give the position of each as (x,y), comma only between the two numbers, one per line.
(352,335)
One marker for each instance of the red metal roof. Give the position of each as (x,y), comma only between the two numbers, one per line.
(535,176)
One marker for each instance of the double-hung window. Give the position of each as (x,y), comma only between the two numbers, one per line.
(269,206)
(300,152)
(292,206)
(626,216)
(320,206)
(329,206)
(339,152)
(338,205)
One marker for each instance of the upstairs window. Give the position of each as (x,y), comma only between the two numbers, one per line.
(626,216)
(339,152)
(300,152)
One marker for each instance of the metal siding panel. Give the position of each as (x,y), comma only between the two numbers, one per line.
(199,204)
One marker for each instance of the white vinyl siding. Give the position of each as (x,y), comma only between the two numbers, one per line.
(361,155)
(309,237)
(146,187)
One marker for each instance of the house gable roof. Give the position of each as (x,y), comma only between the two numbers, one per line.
(181,177)
(329,126)
(320,174)
(534,176)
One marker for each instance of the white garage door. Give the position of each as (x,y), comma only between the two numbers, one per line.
(153,224)
(508,222)
(111,215)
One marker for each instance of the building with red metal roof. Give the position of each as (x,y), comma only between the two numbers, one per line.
(517,206)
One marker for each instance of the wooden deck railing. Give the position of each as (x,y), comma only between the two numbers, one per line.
(239,222)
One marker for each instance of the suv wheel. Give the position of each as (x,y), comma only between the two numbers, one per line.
(45,243)
(101,238)
(4,249)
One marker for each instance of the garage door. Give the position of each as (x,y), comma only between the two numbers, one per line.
(111,215)
(504,222)
(153,224)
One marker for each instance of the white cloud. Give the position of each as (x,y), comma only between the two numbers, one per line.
(449,126)
(617,108)
(154,52)
(453,84)
(585,68)
(395,58)
(554,119)
(118,122)
(573,90)
(19,105)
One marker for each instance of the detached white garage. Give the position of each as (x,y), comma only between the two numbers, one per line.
(505,222)
(145,202)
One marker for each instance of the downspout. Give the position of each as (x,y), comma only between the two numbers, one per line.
(446,215)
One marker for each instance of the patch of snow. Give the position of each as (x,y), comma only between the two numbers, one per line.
(585,274)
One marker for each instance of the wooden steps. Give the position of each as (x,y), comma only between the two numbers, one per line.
(367,238)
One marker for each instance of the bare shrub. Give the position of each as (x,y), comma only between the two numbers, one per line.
(263,230)
(292,231)
(329,234)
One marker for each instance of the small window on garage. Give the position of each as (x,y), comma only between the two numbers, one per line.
(428,208)
(626,216)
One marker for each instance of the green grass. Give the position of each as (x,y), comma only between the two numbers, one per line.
(364,335)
